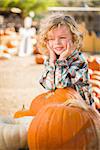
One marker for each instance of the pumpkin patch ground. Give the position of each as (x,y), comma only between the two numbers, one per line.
(18,83)
(19,86)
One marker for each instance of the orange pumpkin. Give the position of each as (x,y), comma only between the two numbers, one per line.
(10,45)
(34,108)
(96,73)
(97,105)
(96,77)
(22,113)
(94,64)
(39,59)
(95,83)
(59,95)
(65,126)
(35,50)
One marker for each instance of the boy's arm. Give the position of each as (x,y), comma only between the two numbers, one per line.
(76,76)
(48,78)
(80,80)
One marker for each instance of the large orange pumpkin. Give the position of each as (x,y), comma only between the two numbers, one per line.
(59,95)
(71,126)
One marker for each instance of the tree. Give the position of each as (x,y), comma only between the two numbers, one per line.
(38,6)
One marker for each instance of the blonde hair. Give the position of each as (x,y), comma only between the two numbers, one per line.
(53,21)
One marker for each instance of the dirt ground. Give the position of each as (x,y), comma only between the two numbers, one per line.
(19,83)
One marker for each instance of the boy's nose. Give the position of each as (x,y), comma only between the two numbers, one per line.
(57,41)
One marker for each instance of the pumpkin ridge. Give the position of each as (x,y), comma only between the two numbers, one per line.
(4,136)
(77,136)
(21,142)
(62,127)
(47,129)
(52,114)
(82,120)
(80,130)
(29,134)
(67,111)
(37,133)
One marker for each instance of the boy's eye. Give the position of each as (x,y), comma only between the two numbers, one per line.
(62,37)
(51,39)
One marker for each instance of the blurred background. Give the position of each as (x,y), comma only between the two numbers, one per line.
(20,59)
(85,12)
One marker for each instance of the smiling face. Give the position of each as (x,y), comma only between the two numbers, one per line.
(58,38)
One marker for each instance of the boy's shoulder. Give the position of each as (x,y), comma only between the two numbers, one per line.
(78,58)
(82,57)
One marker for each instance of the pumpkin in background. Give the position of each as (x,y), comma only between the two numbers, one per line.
(10,45)
(1,32)
(94,63)
(71,125)
(59,95)
(35,50)
(95,81)
(95,77)
(97,105)
(96,90)
(39,59)
(96,73)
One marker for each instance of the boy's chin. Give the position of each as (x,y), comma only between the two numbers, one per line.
(58,52)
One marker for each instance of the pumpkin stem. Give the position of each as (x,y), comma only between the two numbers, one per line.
(49,94)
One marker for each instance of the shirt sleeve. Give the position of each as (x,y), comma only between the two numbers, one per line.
(80,80)
(67,75)
(75,75)
(61,74)
(48,77)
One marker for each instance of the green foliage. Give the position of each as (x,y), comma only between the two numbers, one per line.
(38,6)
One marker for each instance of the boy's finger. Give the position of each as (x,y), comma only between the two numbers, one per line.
(69,44)
(49,48)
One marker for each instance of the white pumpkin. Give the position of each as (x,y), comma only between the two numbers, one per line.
(13,132)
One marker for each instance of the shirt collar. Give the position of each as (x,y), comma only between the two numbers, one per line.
(75,55)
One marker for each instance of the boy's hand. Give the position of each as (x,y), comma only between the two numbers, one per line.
(52,55)
(68,51)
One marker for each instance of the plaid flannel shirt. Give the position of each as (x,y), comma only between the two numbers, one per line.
(71,72)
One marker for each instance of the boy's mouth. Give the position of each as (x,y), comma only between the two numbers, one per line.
(58,48)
